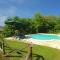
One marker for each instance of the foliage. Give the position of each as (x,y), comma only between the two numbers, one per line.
(36,24)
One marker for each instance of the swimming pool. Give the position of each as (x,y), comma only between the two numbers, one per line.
(45,36)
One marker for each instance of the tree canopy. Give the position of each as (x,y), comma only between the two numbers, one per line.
(36,24)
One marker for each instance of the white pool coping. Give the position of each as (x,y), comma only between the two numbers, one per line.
(48,43)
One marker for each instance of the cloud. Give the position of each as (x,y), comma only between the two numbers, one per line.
(2,19)
(4,13)
(12,8)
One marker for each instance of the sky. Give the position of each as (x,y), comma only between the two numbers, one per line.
(27,8)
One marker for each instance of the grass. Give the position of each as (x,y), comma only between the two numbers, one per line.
(38,51)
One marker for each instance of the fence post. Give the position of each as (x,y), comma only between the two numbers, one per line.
(29,55)
(3,46)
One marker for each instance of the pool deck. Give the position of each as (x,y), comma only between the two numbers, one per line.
(48,43)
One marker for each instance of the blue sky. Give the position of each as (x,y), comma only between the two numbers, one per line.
(27,8)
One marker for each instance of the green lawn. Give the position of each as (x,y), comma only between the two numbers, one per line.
(38,52)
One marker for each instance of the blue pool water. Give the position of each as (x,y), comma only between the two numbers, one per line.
(45,37)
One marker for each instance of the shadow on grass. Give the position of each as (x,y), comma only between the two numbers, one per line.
(38,57)
(12,56)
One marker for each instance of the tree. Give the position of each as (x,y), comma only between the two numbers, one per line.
(38,20)
(51,22)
